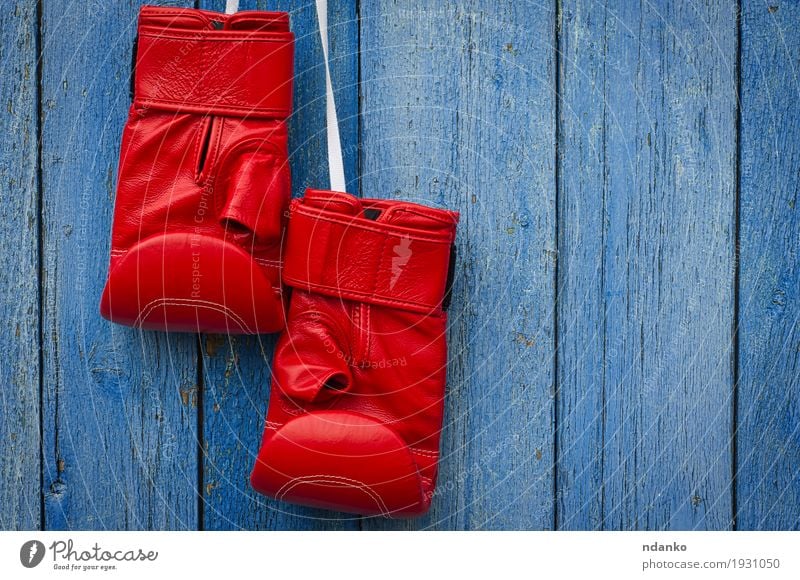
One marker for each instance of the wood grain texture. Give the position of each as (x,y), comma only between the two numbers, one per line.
(236,370)
(458,111)
(19,260)
(768,428)
(646,236)
(120,449)
(629,424)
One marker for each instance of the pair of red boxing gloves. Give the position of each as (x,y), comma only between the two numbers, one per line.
(202,242)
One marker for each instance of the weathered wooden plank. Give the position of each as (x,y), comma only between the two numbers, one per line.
(20,440)
(236,370)
(768,433)
(646,266)
(120,448)
(458,110)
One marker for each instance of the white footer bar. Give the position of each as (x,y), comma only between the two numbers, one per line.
(352,555)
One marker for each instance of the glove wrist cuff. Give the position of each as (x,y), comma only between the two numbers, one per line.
(365,260)
(224,72)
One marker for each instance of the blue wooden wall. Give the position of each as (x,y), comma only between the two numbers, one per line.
(625,327)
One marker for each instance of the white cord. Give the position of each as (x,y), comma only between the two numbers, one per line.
(231,6)
(335,159)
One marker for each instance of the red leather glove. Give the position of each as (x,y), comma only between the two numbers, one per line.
(203,176)
(357,396)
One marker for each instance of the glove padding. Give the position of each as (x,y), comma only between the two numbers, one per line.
(356,405)
(203,178)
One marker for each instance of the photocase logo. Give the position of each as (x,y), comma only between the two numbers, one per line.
(402,254)
(31,553)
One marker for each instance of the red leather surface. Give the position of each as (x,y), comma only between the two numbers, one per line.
(215,71)
(318,237)
(203,180)
(340,458)
(215,298)
(356,404)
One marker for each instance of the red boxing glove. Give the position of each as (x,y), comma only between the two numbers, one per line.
(203,177)
(357,397)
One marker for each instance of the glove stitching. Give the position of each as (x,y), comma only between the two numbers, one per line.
(269,262)
(358,296)
(431,215)
(243,110)
(379,268)
(335,479)
(217,36)
(424,452)
(355,327)
(216,306)
(369,332)
(199,134)
(353,224)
